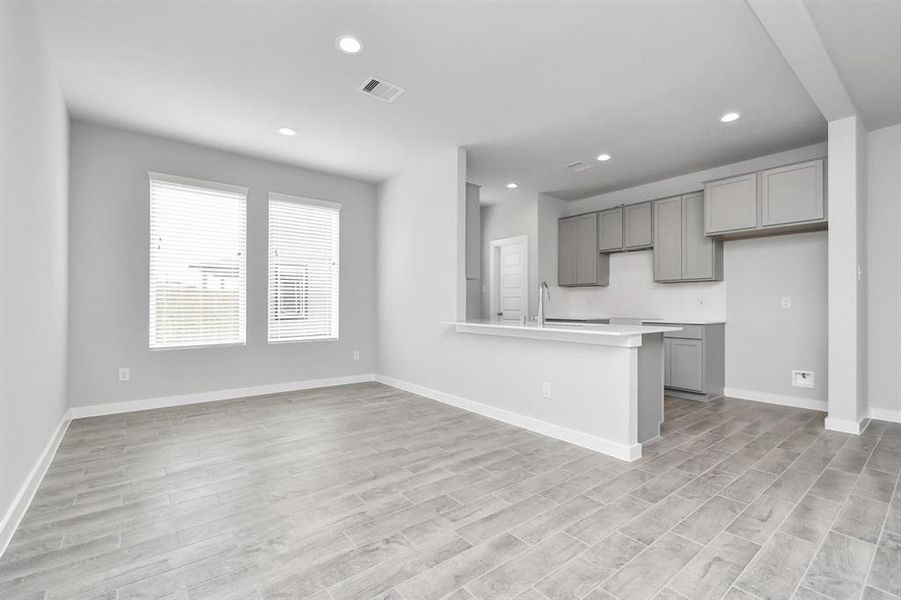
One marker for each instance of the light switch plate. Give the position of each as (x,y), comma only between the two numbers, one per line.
(124,374)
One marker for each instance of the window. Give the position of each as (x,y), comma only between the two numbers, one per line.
(303,269)
(197,262)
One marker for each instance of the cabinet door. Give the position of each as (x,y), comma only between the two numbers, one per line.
(792,194)
(473,233)
(731,204)
(687,364)
(566,252)
(699,252)
(668,239)
(610,230)
(637,226)
(587,249)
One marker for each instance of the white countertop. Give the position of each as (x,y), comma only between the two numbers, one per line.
(610,335)
(644,320)
(686,321)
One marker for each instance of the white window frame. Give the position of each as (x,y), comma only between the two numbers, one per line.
(242,266)
(272,293)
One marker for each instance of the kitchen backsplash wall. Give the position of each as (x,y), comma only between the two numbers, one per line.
(633,293)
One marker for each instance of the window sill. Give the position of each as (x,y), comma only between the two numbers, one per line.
(304,340)
(199,347)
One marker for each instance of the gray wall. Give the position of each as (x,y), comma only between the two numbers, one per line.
(33,154)
(108,300)
(883,275)
(515,215)
(764,341)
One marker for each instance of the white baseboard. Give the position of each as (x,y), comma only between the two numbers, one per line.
(113,408)
(25,495)
(847,425)
(614,449)
(885,414)
(781,400)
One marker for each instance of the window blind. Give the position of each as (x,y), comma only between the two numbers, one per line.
(303,268)
(197,262)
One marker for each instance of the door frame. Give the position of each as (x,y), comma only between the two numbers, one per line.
(494,247)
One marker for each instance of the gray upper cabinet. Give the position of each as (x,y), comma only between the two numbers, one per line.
(702,257)
(473,242)
(637,230)
(566,251)
(731,204)
(668,239)
(681,250)
(610,230)
(792,194)
(579,262)
(784,199)
(586,249)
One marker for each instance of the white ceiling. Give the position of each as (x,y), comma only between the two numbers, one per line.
(526,86)
(863,39)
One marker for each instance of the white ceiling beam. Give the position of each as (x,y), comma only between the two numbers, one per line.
(790,27)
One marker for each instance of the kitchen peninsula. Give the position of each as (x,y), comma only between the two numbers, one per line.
(598,385)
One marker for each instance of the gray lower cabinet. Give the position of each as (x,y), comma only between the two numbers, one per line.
(610,230)
(578,261)
(694,361)
(686,360)
(637,230)
(790,198)
(681,250)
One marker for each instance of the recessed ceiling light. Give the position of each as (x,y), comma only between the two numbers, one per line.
(603,157)
(287,131)
(349,44)
(512,185)
(729,117)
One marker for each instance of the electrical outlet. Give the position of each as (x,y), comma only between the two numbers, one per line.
(786,301)
(546,390)
(124,374)
(802,379)
(356,355)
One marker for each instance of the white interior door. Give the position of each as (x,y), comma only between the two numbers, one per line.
(509,278)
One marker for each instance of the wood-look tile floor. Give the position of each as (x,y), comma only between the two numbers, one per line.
(365,491)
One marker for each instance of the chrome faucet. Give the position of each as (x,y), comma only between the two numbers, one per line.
(543,290)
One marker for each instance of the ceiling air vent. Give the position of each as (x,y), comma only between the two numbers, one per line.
(577,166)
(381,89)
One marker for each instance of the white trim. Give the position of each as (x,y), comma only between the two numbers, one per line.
(113,408)
(604,446)
(493,271)
(279,197)
(892,415)
(198,183)
(847,425)
(23,498)
(781,400)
